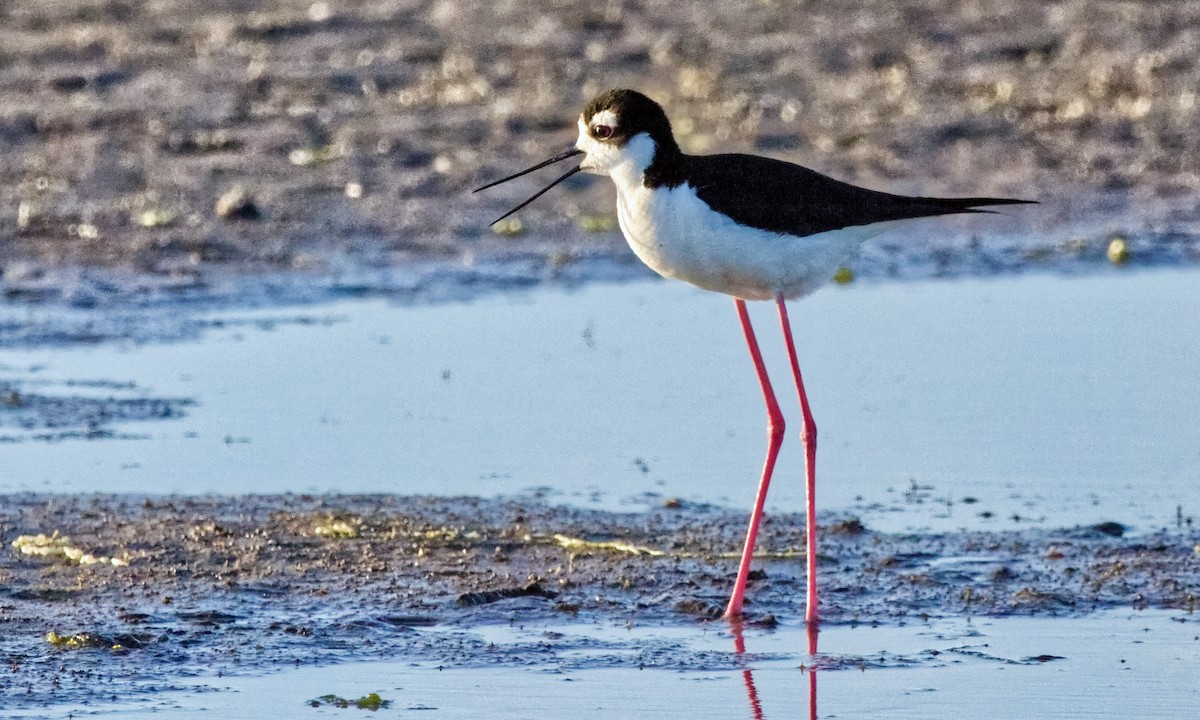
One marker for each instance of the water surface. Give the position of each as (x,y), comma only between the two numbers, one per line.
(1044,399)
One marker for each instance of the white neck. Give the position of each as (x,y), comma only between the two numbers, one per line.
(634,160)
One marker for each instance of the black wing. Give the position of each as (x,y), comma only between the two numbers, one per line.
(781,197)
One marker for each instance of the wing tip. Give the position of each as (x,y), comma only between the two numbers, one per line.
(950,206)
(988,202)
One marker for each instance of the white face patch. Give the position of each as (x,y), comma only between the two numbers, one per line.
(600,155)
(594,150)
(625,163)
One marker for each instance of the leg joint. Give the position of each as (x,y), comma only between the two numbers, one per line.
(776,426)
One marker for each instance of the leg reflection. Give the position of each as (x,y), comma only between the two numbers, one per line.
(739,646)
(756,711)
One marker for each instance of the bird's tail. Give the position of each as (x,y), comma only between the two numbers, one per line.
(971,205)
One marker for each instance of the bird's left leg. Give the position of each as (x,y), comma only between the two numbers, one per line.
(808,436)
(775,427)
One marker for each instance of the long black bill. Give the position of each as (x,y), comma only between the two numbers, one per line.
(557,158)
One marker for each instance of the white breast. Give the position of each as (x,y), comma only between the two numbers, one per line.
(679,236)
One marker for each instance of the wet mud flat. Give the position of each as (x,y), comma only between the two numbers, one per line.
(155,149)
(105,596)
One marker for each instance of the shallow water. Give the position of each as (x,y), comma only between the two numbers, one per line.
(1110,665)
(1046,399)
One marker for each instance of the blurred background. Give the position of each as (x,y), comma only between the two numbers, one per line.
(177,141)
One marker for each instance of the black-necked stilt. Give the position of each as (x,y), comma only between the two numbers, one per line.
(743,225)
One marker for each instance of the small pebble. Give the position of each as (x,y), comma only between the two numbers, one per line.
(237,204)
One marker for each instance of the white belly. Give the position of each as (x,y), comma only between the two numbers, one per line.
(679,236)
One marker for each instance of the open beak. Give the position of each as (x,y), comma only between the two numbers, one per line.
(557,158)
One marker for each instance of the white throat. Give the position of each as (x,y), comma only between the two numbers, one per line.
(635,158)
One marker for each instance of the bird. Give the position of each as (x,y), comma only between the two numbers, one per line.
(747,226)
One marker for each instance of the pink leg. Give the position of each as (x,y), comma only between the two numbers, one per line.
(775,427)
(808,436)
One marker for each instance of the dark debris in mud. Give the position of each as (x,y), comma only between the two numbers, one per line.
(36,411)
(193,585)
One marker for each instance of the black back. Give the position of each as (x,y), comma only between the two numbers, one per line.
(781,197)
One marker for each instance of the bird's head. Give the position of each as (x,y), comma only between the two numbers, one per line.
(622,133)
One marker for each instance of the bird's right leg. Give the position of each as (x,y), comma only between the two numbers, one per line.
(808,436)
(775,428)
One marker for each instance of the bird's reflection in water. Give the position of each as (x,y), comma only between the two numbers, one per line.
(756,710)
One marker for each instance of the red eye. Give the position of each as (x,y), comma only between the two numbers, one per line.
(603,132)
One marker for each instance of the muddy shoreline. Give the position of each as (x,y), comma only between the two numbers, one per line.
(127,591)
